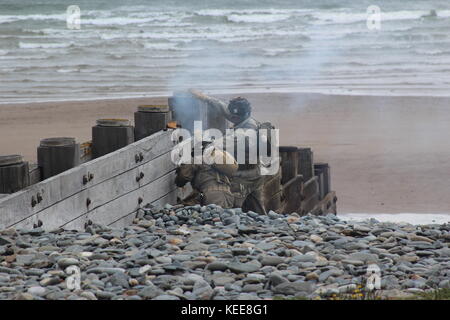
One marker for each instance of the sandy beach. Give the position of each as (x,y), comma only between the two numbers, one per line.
(387,154)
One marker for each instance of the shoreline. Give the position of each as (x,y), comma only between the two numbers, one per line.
(386,153)
(370,92)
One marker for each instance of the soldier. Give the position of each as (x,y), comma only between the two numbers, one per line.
(247,183)
(210,181)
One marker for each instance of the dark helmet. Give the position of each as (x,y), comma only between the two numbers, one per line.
(240,107)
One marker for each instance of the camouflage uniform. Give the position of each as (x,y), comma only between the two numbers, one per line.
(211,181)
(247,183)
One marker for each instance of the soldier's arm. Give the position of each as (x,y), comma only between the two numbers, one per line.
(185,174)
(219,105)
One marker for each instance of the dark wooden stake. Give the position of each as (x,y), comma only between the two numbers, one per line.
(150,119)
(56,155)
(305,163)
(110,135)
(14,174)
(324,169)
(289,163)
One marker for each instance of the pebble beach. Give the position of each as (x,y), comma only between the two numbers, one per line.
(210,253)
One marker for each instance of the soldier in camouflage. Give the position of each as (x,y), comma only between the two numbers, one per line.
(247,182)
(210,181)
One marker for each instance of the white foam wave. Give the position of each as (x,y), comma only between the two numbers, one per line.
(348,17)
(258,18)
(39,17)
(24,45)
(161,46)
(272,52)
(227,12)
(119,21)
(431,52)
(67,70)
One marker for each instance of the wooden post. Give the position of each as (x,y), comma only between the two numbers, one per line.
(150,119)
(305,163)
(289,163)
(319,174)
(56,155)
(272,192)
(14,174)
(109,135)
(324,168)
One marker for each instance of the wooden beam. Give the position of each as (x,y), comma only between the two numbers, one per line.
(292,191)
(126,204)
(88,200)
(126,220)
(17,207)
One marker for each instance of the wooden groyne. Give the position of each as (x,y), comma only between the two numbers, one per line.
(131,166)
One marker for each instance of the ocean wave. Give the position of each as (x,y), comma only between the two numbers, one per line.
(227,12)
(38,17)
(162,46)
(258,18)
(347,17)
(24,45)
(273,52)
(67,70)
(432,52)
(121,21)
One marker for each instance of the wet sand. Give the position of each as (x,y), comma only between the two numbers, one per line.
(387,154)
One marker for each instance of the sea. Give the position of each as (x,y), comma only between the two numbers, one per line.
(143,48)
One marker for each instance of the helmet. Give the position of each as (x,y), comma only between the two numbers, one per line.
(240,107)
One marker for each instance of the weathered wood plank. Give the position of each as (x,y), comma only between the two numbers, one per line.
(310,187)
(100,194)
(309,204)
(17,206)
(326,205)
(126,220)
(292,191)
(272,192)
(127,204)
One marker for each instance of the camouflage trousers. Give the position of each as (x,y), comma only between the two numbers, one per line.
(219,195)
(248,195)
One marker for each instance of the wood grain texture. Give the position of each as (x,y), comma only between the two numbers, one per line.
(17,207)
(14,177)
